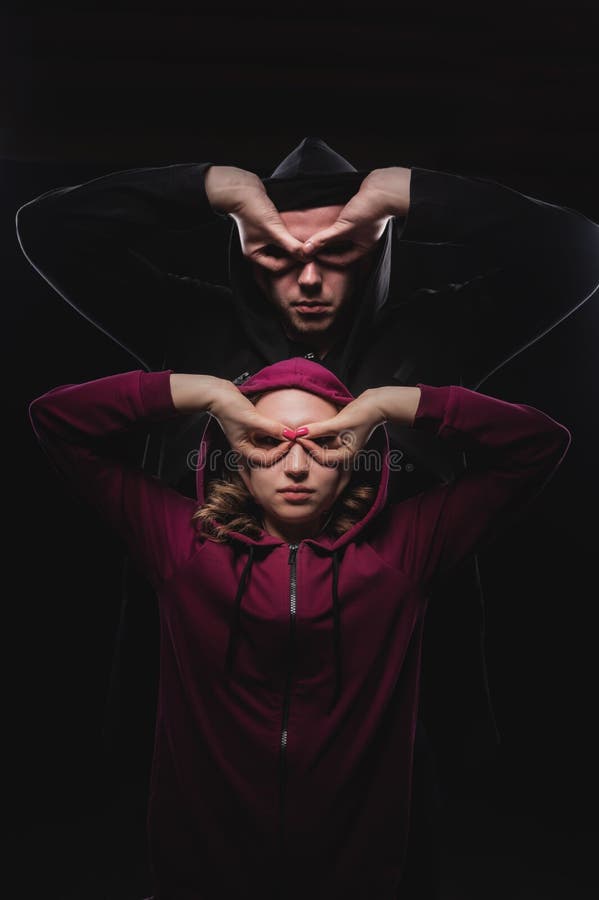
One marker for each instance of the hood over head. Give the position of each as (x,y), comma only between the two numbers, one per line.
(307,375)
(302,374)
(312,175)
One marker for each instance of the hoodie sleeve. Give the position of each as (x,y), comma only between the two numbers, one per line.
(96,244)
(77,424)
(514,450)
(510,266)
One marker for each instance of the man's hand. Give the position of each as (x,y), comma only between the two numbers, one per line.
(241,195)
(383,193)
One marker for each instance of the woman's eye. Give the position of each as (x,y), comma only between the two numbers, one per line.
(265,440)
(327,443)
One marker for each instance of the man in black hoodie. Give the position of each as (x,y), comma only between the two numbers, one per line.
(315,291)
(443,284)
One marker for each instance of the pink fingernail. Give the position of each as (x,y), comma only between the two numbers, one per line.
(289,433)
(301,431)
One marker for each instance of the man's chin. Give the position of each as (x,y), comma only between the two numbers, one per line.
(319,324)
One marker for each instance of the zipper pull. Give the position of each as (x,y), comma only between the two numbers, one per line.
(292,551)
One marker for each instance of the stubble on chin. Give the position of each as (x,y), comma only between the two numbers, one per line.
(297,328)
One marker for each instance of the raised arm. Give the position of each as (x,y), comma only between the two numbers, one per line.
(96,244)
(496,267)
(79,427)
(514,450)
(510,266)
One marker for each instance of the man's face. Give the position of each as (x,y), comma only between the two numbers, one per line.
(314,298)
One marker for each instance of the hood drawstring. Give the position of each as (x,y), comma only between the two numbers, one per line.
(336,630)
(234,627)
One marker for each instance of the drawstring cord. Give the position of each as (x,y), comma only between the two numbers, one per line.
(235,623)
(234,627)
(336,630)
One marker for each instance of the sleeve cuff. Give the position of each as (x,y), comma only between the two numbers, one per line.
(433,408)
(428,205)
(192,192)
(156,395)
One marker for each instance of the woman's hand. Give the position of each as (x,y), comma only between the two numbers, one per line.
(259,440)
(255,437)
(338,440)
(383,193)
(264,238)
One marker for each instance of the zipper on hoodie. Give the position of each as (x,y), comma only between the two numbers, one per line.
(291,560)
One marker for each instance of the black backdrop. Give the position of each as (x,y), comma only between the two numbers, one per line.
(506,91)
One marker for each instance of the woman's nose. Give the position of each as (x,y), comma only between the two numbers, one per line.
(297,459)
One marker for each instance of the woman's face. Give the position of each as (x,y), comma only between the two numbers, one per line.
(296,493)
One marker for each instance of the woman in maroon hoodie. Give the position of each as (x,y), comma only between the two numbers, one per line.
(292,600)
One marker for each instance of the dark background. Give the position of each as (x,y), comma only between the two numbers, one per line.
(506,91)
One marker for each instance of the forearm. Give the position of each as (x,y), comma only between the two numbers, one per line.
(73,422)
(227,187)
(76,423)
(396,404)
(515,450)
(196,393)
(99,246)
(113,404)
(164,196)
(390,187)
(450,208)
(73,415)
(517,434)
(506,267)
(398,191)
(513,438)
(445,207)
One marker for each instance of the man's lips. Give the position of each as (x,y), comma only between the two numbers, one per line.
(312,308)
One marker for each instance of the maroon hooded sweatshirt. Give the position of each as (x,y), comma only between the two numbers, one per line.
(289,672)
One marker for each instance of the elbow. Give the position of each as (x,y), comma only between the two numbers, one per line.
(27,224)
(556,448)
(37,416)
(44,417)
(562,438)
(566,440)
(545,452)
(37,225)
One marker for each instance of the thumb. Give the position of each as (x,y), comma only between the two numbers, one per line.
(324,428)
(286,240)
(265,426)
(339,229)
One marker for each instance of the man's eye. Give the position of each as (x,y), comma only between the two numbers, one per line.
(337,249)
(273,250)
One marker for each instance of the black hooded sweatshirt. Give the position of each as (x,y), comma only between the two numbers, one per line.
(473,275)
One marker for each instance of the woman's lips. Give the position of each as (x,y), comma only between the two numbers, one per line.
(296,496)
